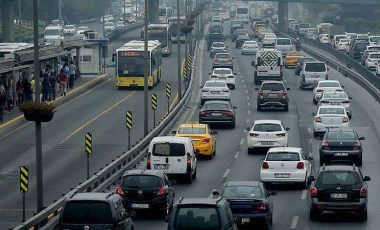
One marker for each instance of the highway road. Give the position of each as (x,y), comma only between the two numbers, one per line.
(100,111)
(232,161)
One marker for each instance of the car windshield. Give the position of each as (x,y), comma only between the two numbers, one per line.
(222,56)
(87,212)
(267,127)
(284,42)
(217,45)
(191,130)
(329,84)
(222,71)
(52,32)
(315,67)
(197,217)
(361,46)
(168,149)
(374,39)
(375,56)
(242,192)
(337,178)
(272,87)
(342,135)
(217,106)
(332,110)
(141,181)
(283,156)
(251,43)
(335,95)
(69,27)
(215,84)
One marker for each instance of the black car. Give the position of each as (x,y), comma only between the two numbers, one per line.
(338,188)
(251,201)
(94,210)
(201,213)
(218,112)
(358,49)
(240,40)
(238,32)
(298,67)
(144,190)
(272,94)
(341,145)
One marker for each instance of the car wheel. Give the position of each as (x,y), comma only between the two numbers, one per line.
(190,178)
(242,53)
(233,87)
(315,101)
(304,184)
(266,225)
(271,218)
(202,101)
(267,185)
(286,108)
(359,162)
(315,134)
(286,67)
(258,108)
(257,82)
(250,150)
(314,215)
(195,174)
(232,125)
(363,215)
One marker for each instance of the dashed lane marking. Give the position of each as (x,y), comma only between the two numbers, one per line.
(226,173)
(245,86)
(304,194)
(294,223)
(249,104)
(249,111)
(248,98)
(242,80)
(247,121)
(246,91)
(236,155)
(242,141)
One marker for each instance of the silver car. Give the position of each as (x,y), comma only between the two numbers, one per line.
(324,86)
(249,47)
(328,117)
(338,98)
(215,90)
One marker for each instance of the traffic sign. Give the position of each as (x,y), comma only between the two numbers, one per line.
(168,90)
(88,142)
(24,179)
(154,101)
(129,119)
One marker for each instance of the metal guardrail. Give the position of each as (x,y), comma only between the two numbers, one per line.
(108,175)
(114,35)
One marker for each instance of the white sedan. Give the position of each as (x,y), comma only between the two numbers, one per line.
(325,86)
(109,27)
(215,90)
(266,134)
(342,44)
(82,29)
(286,165)
(329,117)
(69,30)
(372,61)
(249,47)
(224,74)
(337,98)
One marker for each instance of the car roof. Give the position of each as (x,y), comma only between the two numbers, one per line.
(330,106)
(242,183)
(170,139)
(199,125)
(341,129)
(207,201)
(272,81)
(338,168)
(143,172)
(217,101)
(267,121)
(322,81)
(222,69)
(101,196)
(280,149)
(214,81)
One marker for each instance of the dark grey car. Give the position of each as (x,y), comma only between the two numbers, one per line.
(272,94)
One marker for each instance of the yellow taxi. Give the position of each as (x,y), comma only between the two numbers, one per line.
(292,58)
(258,29)
(202,136)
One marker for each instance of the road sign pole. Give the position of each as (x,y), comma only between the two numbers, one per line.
(88,167)
(24,184)
(154,107)
(128,117)
(168,94)
(88,151)
(23,207)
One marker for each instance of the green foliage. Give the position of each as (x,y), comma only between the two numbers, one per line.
(33,107)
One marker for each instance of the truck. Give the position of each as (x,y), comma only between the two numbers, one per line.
(336,30)
(256,12)
(268,65)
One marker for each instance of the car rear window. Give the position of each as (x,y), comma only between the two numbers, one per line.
(332,110)
(197,217)
(338,178)
(360,46)
(168,149)
(222,71)
(315,67)
(250,43)
(283,156)
(334,95)
(329,84)
(217,37)
(87,212)
(192,130)
(284,42)
(374,39)
(306,60)
(215,84)
(216,106)
(267,127)
(346,135)
(376,56)
(376,48)
(242,192)
(141,181)
(272,86)
(222,56)
(217,45)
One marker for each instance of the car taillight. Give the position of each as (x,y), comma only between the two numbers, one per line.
(228,113)
(162,191)
(205,113)
(188,158)
(216,60)
(327,77)
(318,119)
(324,102)
(357,143)
(319,90)
(261,93)
(206,140)
(253,134)
(205,90)
(313,192)
(265,165)
(369,59)
(225,90)
(325,143)
(300,165)
(148,162)
(284,92)
(346,102)
(262,207)
(363,192)
(119,190)
(280,134)
(345,119)
(231,76)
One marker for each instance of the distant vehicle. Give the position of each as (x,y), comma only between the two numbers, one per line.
(303,28)
(372,61)
(217,47)
(223,60)
(69,30)
(337,38)
(329,116)
(238,32)
(339,98)
(215,90)
(269,40)
(214,37)
(374,40)
(109,26)
(162,33)
(268,65)
(218,112)
(325,86)
(176,29)
(119,25)
(82,29)
(342,44)
(249,47)
(106,18)
(53,35)
(312,72)
(297,69)
(225,74)
(272,94)
(241,39)
(164,13)
(242,13)
(78,36)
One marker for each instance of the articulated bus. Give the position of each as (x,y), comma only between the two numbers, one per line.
(176,28)
(162,33)
(130,63)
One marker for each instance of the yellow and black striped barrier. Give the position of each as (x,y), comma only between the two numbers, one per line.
(24,179)
(168,90)
(154,101)
(88,144)
(129,120)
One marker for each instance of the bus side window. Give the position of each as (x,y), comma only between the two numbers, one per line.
(113,57)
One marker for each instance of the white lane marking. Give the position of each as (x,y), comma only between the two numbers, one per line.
(236,155)
(309,130)
(294,223)
(226,173)
(246,91)
(249,111)
(304,194)
(247,121)
(210,196)
(248,98)
(285,81)
(241,141)
(249,104)
(242,80)
(245,86)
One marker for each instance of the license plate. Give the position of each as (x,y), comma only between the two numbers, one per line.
(316,76)
(281,175)
(222,78)
(341,154)
(335,103)
(338,195)
(267,142)
(215,92)
(140,205)
(161,167)
(216,114)
(273,95)
(245,220)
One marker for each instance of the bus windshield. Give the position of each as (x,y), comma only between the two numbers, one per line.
(130,66)
(159,34)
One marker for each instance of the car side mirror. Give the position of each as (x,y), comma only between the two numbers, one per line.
(311,178)
(288,88)
(234,73)
(287,128)
(367,178)
(328,69)
(200,87)
(257,89)
(209,73)
(350,98)
(215,192)
(361,138)
(272,193)
(310,158)
(174,132)
(173,182)
(313,114)
(234,107)
(253,63)
(248,128)
(263,158)
(200,107)
(214,132)
(342,86)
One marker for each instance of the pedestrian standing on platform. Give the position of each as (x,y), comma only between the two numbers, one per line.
(27,89)
(62,80)
(72,71)
(20,92)
(45,88)
(2,106)
(8,97)
(53,85)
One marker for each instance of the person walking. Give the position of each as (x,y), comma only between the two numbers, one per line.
(62,80)
(72,71)
(27,89)
(53,84)
(2,106)
(45,88)
(8,97)
(20,92)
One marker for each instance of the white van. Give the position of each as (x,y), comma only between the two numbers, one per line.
(284,45)
(53,35)
(173,155)
(312,73)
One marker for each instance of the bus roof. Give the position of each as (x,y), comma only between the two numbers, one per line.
(158,25)
(139,46)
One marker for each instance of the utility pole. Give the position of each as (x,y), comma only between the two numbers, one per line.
(39,169)
(19,21)
(124,21)
(187,35)
(179,53)
(146,69)
(60,11)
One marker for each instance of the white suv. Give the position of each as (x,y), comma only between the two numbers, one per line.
(173,155)
(266,134)
(312,73)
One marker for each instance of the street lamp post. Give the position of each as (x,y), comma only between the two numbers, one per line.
(39,169)
(146,59)
(187,35)
(179,52)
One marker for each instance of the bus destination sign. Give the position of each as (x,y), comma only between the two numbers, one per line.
(131,54)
